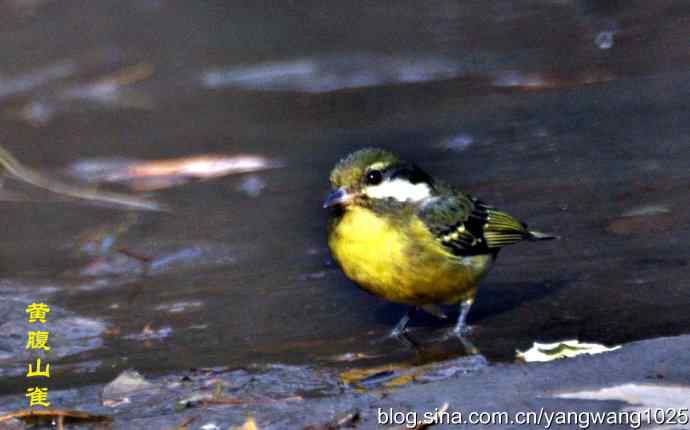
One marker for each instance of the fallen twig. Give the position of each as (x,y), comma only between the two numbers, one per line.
(184,425)
(59,415)
(238,401)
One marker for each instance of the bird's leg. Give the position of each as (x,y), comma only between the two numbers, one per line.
(400,327)
(470,349)
(461,326)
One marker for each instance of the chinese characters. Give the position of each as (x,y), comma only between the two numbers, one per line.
(37,340)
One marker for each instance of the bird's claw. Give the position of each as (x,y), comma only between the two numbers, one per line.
(463,330)
(396,332)
(403,337)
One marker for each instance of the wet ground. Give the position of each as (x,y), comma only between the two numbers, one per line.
(569,114)
(646,383)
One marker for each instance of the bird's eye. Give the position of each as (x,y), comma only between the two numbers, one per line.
(374,177)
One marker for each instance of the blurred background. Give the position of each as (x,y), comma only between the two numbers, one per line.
(570,114)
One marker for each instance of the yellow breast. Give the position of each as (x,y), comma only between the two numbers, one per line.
(397,258)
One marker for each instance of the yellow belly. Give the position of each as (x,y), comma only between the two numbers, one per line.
(401,261)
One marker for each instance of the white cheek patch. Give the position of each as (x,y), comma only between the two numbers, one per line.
(399,189)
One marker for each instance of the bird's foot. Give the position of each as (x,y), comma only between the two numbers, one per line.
(397,332)
(395,335)
(462,336)
(400,329)
(403,337)
(463,330)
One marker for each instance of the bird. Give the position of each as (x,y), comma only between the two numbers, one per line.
(409,238)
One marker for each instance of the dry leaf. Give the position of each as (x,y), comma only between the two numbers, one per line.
(147,175)
(250,424)
(540,352)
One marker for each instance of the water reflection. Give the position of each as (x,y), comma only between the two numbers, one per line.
(332,73)
(521,104)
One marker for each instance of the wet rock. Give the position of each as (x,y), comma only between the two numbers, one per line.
(607,382)
(639,396)
(69,334)
(82,333)
(126,384)
(284,381)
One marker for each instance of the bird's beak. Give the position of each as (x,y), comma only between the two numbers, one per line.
(337,197)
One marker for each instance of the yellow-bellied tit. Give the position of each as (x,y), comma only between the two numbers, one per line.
(409,238)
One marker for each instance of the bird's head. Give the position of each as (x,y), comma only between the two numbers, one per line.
(373,174)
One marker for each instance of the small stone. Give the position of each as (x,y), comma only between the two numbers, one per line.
(128,382)
(252,186)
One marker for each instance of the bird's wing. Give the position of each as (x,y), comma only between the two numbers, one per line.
(465,225)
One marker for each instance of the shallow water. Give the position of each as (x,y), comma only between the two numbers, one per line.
(569,114)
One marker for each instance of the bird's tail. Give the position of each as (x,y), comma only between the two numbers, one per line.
(537,235)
